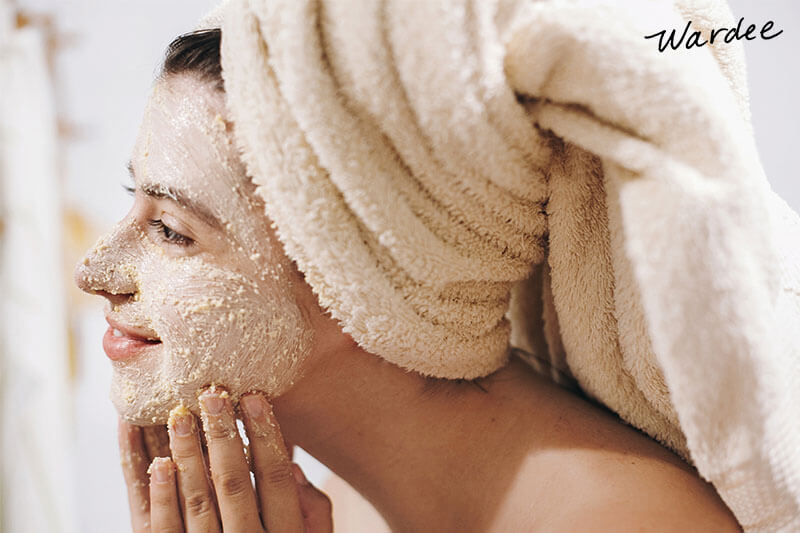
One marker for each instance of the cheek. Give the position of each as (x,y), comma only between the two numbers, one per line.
(220,327)
(210,320)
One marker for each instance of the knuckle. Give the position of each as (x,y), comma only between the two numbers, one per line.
(198,504)
(232,484)
(220,432)
(182,454)
(279,474)
(160,500)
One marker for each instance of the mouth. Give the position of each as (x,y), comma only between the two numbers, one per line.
(122,342)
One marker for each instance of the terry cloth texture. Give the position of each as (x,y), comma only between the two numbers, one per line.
(458,177)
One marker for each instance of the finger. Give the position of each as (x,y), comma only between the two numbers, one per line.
(204,446)
(275,484)
(289,449)
(230,472)
(197,499)
(134,461)
(315,505)
(165,514)
(156,441)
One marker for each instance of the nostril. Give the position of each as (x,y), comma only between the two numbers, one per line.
(115,299)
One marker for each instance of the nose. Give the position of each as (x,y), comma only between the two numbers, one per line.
(87,281)
(106,269)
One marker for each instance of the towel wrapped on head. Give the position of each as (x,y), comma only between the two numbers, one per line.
(458,177)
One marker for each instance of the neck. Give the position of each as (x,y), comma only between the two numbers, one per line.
(424,458)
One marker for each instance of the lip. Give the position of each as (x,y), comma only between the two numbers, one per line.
(132,342)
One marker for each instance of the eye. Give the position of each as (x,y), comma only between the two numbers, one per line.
(168,235)
(130,190)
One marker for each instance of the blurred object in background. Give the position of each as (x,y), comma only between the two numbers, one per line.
(35,410)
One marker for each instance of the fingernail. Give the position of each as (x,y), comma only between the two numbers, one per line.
(299,477)
(161,470)
(259,418)
(213,402)
(182,425)
(253,406)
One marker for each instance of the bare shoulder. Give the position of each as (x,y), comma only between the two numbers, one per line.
(588,471)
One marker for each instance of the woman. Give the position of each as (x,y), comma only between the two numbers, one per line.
(201,293)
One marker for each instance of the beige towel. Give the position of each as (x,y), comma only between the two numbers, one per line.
(452,174)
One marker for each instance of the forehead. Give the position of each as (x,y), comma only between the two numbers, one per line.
(184,108)
(184,139)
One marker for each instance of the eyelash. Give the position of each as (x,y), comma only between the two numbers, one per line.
(168,235)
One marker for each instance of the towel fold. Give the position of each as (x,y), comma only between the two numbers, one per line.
(455,177)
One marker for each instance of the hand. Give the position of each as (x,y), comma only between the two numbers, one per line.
(181,493)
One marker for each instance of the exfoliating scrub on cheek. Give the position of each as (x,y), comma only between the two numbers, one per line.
(216,326)
(221,302)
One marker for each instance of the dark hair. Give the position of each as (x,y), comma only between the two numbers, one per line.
(198,53)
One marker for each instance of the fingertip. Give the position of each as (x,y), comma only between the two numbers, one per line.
(316,508)
(255,406)
(165,514)
(299,476)
(161,470)
(215,401)
(259,420)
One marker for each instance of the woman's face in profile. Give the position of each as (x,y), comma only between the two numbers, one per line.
(195,266)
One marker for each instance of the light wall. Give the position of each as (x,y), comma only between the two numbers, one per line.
(773,71)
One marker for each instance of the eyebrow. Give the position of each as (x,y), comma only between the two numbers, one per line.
(166,192)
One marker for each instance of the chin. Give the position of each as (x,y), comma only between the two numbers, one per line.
(138,415)
(143,406)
